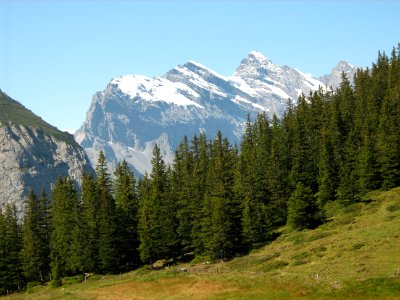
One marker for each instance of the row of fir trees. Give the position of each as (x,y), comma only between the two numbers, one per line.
(215,199)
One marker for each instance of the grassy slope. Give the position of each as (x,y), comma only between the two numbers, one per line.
(355,255)
(12,112)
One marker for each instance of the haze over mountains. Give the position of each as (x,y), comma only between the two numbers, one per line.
(135,112)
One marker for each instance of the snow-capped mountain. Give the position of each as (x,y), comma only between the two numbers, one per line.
(134,111)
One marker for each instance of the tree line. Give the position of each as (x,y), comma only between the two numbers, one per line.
(215,200)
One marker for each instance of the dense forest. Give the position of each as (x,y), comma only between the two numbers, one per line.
(216,200)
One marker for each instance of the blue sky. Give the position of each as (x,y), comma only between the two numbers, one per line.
(54,55)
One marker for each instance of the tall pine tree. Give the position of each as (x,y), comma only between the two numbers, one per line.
(107,243)
(126,202)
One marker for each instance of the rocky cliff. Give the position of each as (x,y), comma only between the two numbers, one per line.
(33,154)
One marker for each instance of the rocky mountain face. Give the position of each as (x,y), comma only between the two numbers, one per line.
(33,154)
(335,77)
(134,112)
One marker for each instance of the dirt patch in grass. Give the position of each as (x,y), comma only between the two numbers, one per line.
(168,288)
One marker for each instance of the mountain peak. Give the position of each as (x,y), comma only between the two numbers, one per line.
(193,69)
(335,77)
(195,63)
(258,56)
(256,66)
(343,65)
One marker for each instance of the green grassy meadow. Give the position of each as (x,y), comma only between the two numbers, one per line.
(354,255)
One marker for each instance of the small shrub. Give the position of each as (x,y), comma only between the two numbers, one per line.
(300,255)
(297,239)
(345,220)
(319,249)
(33,284)
(269,257)
(200,259)
(353,209)
(146,269)
(390,218)
(30,288)
(319,235)
(393,207)
(55,283)
(73,279)
(300,262)
(332,208)
(377,287)
(274,266)
(95,277)
(357,246)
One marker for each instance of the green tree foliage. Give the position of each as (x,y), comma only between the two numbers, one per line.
(36,237)
(10,247)
(126,202)
(222,221)
(107,227)
(157,223)
(251,180)
(389,125)
(302,208)
(146,221)
(3,256)
(278,173)
(182,190)
(200,150)
(90,213)
(66,243)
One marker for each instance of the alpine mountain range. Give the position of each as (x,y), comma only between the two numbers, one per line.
(135,112)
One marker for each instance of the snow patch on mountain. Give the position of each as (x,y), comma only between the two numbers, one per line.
(157,89)
(135,112)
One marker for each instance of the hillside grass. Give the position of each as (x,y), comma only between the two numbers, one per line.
(14,113)
(354,255)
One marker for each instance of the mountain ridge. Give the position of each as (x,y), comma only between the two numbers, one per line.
(135,111)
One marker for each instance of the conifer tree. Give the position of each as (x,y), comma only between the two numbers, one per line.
(90,205)
(348,186)
(389,140)
(201,159)
(157,223)
(75,260)
(3,256)
(36,239)
(278,173)
(10,267)
(66,239)
(146,221)
(182,190)
(251,182)
(303,167)
(126,202)
(302,208)
(222,221)
(107,243)
(366,127)
(327,176)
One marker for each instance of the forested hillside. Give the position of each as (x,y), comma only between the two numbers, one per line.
(216,199)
